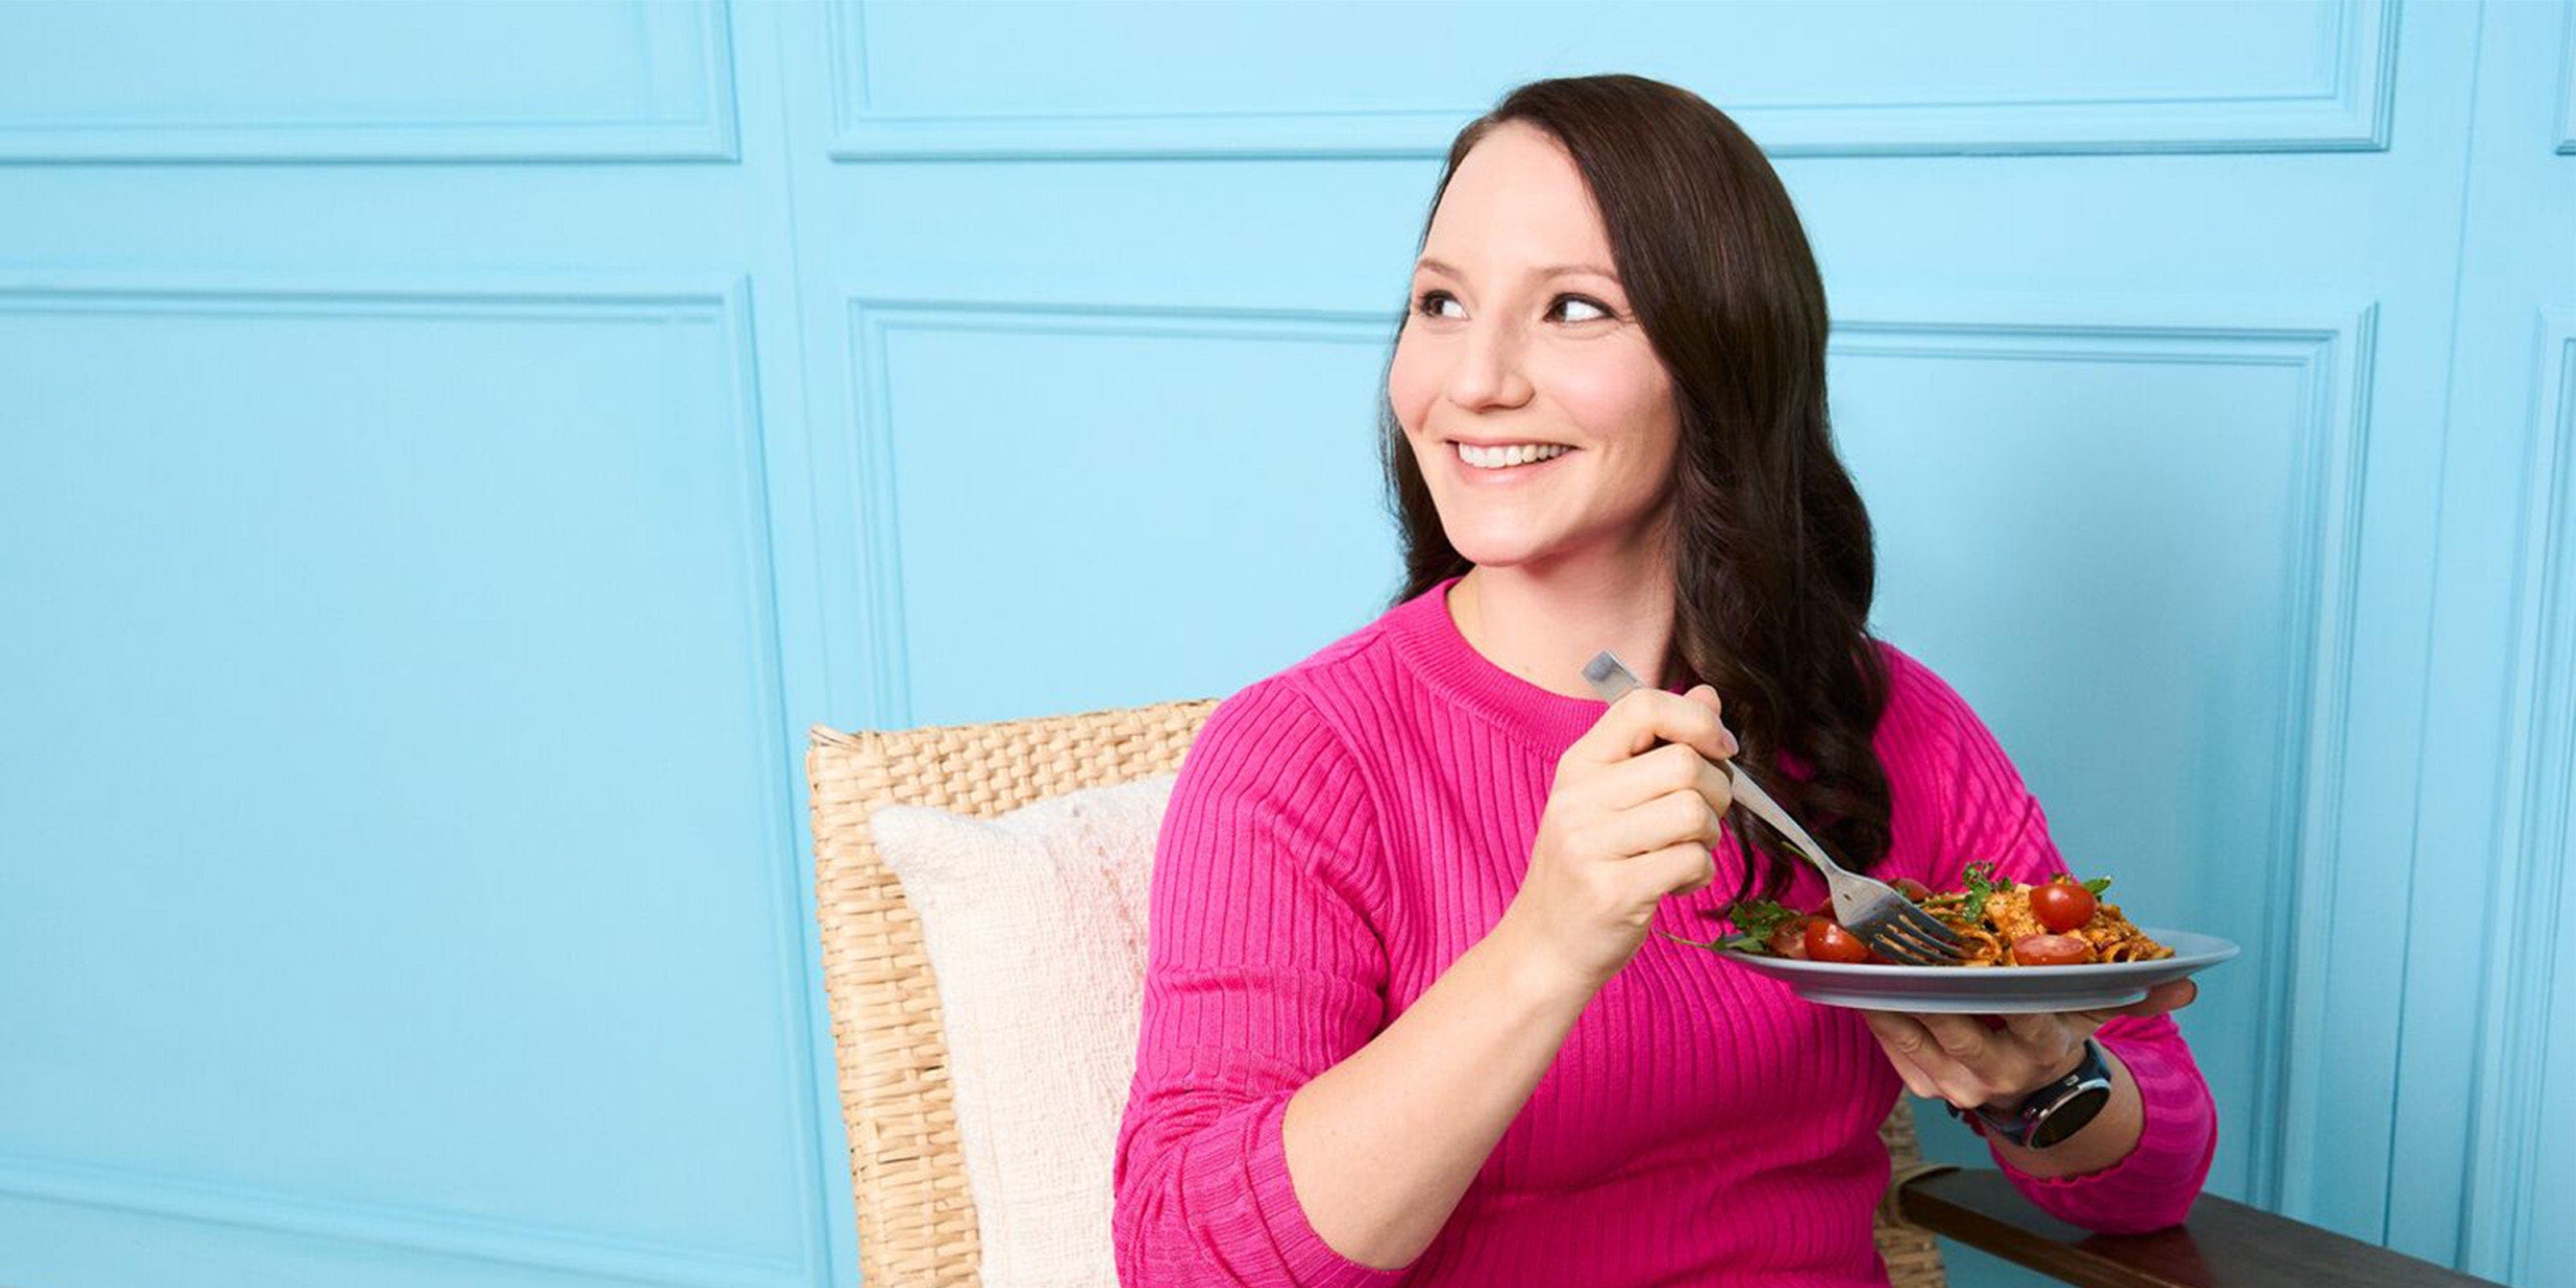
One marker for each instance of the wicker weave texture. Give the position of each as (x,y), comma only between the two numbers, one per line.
(916,1217)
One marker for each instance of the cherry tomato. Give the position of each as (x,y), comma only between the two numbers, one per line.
(2051,950)
(1827,941)
(2061,905)
(1912,889)
(1790,940)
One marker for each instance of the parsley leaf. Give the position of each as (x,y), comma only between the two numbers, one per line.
(1982,882)
(1754,920)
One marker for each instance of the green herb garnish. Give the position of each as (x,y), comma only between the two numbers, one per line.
(1754,920)
(1982,882)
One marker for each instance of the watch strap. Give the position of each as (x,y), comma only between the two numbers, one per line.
(2023,1122)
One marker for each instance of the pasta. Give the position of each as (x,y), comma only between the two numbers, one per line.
(1998,921)
(1993,915)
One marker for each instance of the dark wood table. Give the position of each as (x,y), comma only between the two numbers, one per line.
(2224,1244)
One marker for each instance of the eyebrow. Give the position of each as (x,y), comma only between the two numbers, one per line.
(1543,270)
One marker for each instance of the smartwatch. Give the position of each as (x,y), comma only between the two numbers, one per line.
(2053,1112)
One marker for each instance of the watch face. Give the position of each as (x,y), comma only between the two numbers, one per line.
(2070,1116)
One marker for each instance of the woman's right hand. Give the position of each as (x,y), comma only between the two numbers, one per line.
(1636,805)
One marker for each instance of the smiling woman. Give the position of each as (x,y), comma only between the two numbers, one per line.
(1676,364)
(1397,1024)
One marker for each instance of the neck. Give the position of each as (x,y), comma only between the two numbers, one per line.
(1543,625)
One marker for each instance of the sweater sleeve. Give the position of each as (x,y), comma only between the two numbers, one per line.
(1985,813)
(1261,972)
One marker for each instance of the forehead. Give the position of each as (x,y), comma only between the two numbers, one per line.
(1516,198)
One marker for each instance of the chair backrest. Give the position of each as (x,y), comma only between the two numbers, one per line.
(916,1217)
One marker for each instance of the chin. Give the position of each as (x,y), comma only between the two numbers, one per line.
(1503,553)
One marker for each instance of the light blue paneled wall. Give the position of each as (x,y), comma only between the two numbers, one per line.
(451,451)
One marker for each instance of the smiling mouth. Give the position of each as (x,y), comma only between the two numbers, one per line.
(1499,460)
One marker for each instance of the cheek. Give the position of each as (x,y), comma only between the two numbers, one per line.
(1411,384)
(1626,397)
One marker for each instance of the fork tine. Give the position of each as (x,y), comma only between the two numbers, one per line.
(1895,935)
(1943,953)
(1926,925)
(1928,957)
(1895,946)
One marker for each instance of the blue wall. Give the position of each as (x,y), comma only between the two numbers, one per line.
(450,453)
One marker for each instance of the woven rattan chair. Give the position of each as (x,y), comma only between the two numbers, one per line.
(916,1217)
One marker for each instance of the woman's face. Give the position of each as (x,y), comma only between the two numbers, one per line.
(1520,335)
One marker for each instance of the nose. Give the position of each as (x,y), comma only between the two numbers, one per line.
(1488,371)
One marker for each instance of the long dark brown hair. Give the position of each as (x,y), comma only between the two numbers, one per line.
(1773,565)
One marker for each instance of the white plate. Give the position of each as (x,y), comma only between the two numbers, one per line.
(1991,990)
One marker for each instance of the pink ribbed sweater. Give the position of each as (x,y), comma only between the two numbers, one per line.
(1340,832)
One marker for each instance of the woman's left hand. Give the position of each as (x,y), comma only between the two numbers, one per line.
(1972,1060)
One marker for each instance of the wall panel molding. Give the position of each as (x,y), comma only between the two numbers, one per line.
(2567,80)
(2349,108)
(470,1239)
(2539,833)
(723,303)
(2329,348)
(873,319)
(699,34)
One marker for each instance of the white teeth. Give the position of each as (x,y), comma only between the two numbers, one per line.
(1496,458)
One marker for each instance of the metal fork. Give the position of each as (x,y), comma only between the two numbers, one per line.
(1883,918)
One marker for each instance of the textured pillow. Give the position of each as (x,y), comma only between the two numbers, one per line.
(1034,922)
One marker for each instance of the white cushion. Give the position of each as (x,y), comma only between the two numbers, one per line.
(1034,922)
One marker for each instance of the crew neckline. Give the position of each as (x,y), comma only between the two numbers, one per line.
(1441,654)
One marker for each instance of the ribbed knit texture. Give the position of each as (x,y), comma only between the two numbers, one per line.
(1342,831)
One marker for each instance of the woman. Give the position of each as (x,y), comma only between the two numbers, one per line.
(1403,1021)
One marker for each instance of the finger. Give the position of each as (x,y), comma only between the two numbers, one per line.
(1959,1037)
(1882,1026)
(1673,767)
(1644,715)
(1903,1034)
(2050,1040)
(1677,869)
(2172,995)
(1916,1080)
(2036,1028)
(2083,1024)
(1943,1079)
(1980,1059)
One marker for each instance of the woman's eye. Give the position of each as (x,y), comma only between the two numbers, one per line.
(1429,304)
(1599,311)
